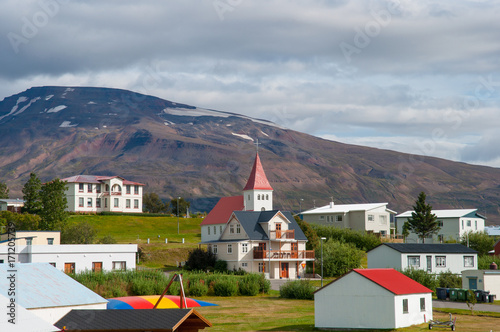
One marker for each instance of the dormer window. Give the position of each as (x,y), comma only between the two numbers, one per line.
(238,229)
(231,229)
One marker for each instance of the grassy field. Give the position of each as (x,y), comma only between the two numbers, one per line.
(271,313)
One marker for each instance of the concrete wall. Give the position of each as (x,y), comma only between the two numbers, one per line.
(488,280)
(384,257)
(414,315)
(253,203)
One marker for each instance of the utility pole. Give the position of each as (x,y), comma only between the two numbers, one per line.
(178,198)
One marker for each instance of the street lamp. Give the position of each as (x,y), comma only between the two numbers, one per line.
(323,238)
(300,205)
(178,198)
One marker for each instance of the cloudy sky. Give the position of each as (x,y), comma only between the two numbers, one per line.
(415,76)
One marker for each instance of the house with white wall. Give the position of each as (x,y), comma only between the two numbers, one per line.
(454,224)
(92,194)
(370,217)
(433,258)
(47,292)
(75,258)
(372,299)
(31,238)
(486,280)
(13,205)
(246,232)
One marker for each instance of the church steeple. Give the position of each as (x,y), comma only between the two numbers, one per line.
(258,193)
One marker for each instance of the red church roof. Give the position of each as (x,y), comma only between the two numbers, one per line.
(222,210)
(393,281)
(257,179)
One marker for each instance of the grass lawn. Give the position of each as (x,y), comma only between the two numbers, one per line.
(270,313)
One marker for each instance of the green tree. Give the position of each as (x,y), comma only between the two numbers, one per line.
(79,233)
(108,239)
(4,190)
(200,259)
(54,204)
(31,191)
(312,237)
(153,204)
(479,241)
(338,258)
(183,206)
(24,222)
(422,221)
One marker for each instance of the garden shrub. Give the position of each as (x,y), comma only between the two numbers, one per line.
(225,287)
(198,289)
(449,280)
(200,259)
(422,277)
(220,266)
(249,285)
(297,289)
(485,261)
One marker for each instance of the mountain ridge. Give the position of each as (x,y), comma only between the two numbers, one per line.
(201,154)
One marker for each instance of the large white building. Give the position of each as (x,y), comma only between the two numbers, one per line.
(91,194)
(370,217)
(454,224)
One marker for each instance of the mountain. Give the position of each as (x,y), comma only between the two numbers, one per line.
(201,154)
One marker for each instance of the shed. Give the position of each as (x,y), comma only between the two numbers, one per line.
(372,299)
(431,257)
(487,280)
(47,292)
(130,320)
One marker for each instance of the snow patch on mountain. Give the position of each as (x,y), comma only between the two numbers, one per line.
(243,136)
(67,124)
(49,97)
(66,91)
(57,109)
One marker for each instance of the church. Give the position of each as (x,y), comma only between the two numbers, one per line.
(248,234)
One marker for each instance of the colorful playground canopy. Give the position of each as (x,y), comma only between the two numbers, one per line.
(149,301)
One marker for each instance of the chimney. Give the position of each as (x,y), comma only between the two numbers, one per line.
(332,203)
(493,266)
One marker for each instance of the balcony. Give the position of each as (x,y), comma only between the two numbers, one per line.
(282,235)
(283,254)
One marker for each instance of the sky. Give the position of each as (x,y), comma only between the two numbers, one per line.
(421,77)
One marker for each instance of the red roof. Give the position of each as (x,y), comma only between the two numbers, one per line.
(257,179)
(393,281)
(223,209)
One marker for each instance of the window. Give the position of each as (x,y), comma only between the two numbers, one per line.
(128,189)
(80,201)
(214,248)
(116,188)
(261,267)
(414,261)
(220,230)
(238,229)
(96,266)
(229,248)
(119,266)
(105,202)
(136,190)
(98,202)
(89,187)
(231,229)
(440,261)
(80,187)
(244,264)
(338,218)
(69,267)
(248,197)
(422,304)
(98,188)
(208,230)
(117,203)
(468,261)
(440,223)
(382,219)
(258,197)
(29,241)
(371,217)
(215,230)
(136,203)
(321,217)
(127,203)
(405,306)
(440,238)
(267,197)
(244,247)
(468,223)
(107,187)
(50,241)
(89,202)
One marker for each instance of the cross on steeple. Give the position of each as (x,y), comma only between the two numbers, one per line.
(257,145)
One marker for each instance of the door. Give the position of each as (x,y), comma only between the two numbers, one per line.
(429,263)
(284,270)
(96,266)
(472,283)
(278,231)
(69,267)
(295,250)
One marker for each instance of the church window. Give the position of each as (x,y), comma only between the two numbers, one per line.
(258,197)
(263,209)
(248,197)
(208,230)
(267,197)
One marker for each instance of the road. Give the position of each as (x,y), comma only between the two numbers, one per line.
(436,304)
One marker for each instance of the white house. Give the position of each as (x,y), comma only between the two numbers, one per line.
(75,257)
(372,217)
(433,258)
(46,292)
(247,233)
(372,299)
(487,280)
(91,194)
(454,224)
(31,238)
(13,205)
